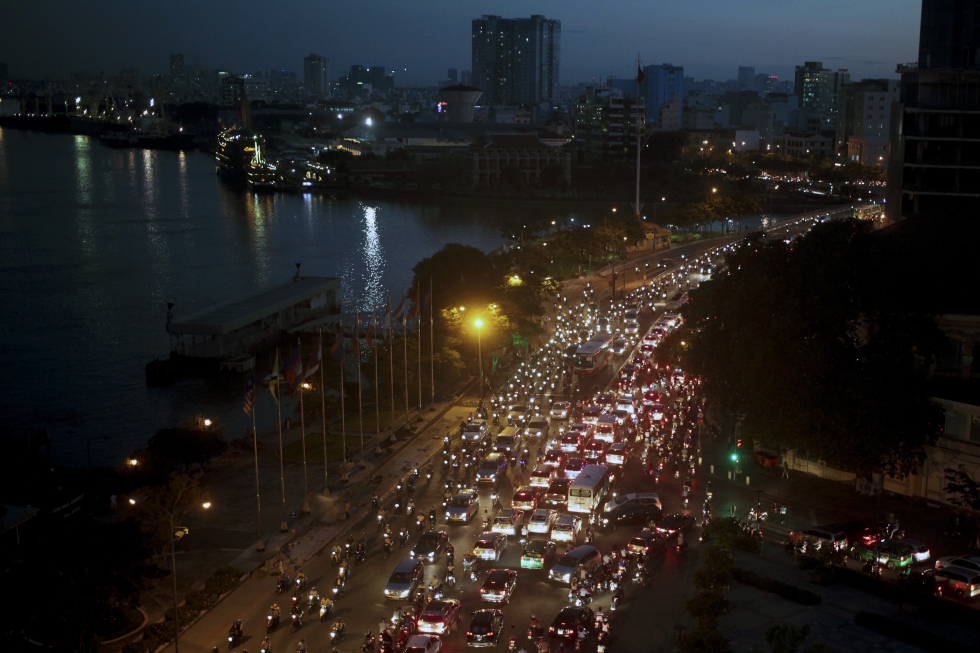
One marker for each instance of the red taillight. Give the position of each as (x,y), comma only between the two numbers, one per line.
(491,635)
(469,634)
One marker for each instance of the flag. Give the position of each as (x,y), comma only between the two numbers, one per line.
(427,300)
(274,379)
(337,349)
(315,360)
(372,328)
(386,318)
(399,312)
(292,371)
(356,338)
(639,74)
(413,313)
(250,395)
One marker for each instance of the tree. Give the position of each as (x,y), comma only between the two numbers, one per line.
(800,341)
(783,638)
(164,506)
(173,450)
(967,491)
(553,178)
(514,177)
(707,607)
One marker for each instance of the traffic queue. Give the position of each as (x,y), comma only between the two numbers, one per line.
(558,463)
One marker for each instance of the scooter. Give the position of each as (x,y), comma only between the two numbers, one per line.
(325,610)
(296,622)
(337,632)
(281,585)
(271,622)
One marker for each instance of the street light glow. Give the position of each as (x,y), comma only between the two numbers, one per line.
(206,505)
(207,422)
(478,323)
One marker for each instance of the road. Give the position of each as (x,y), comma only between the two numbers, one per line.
(646,620)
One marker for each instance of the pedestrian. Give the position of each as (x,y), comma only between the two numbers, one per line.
(733,510)
(785,470)
(347,510)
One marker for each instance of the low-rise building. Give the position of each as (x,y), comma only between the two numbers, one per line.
(496,152)
(802,146)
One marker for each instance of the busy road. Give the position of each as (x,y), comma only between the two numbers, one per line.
(617,413)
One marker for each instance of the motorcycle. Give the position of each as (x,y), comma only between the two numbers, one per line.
(271,622)
(296,622)
(337,632)
(402,537)
(281,585)
(325,610)
(234,638)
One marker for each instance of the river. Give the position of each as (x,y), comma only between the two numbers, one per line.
(95,241)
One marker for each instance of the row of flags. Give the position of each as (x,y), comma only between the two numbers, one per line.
(292,371)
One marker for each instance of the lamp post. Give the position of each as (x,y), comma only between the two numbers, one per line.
(174,536)
(478,323)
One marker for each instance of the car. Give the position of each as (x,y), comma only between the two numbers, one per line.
(489,546)
(542,520)
(499,586)
(571,621)
(560,409)
(557,492)
(966,562)
(920,550)
(526,498)
(538,554)
(538,427)
(566,529)
(649,337)
(486,628)
(891,554)
(508,522)
(464,506)
(423,644)
(572,442)
(648,349)
(604,325)
(555,458)
(439,616)
(674,523)
(619,346)
(574,467)
(857,533)
(543,475)
(585,429)
(633,497)
(632,327)
(622,416)
(629,514)
(618,453)
(591,414)
(821,536)
(516,415)
(606,399)
(648,542)
(657,412)
(594,451)
(407,580)
(957,581)
(429,546)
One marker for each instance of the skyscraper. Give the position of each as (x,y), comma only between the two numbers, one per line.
(515,60)
(177,75)
(315,75)
(661,83)
(746,78)
(932,147)
(453,77)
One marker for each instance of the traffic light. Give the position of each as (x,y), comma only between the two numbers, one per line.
(734,457)
(738,443)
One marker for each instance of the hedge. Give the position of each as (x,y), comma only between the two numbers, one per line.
(909,634)
(773,586)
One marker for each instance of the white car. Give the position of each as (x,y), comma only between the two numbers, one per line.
(632,327)
(560,410)
(920,550)
(542,520)
(566,529)
(509,522)
(423,644)
(967,562)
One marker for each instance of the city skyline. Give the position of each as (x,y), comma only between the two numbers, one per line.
(722,37)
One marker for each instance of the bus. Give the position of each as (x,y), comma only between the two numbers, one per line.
(592,356)
(589,489)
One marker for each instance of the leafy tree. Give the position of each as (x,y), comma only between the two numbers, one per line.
(703,641)
(967,494)
(174,450)
(800,341)
(163,506)
(707,607)
(783,638)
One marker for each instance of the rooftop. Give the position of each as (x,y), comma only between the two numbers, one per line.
(232,315)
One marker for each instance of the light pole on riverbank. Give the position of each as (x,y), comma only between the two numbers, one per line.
(478,323)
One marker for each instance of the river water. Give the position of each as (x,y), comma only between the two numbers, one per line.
(95,241)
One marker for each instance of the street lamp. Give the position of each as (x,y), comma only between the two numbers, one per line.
(175,534)
(478,323)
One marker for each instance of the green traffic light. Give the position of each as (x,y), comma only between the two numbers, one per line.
(735,457)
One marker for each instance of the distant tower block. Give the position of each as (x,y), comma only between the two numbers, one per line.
(460,101)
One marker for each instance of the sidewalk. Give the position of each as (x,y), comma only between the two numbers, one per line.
(228,533)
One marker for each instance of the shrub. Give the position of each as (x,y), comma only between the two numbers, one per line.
(773,586)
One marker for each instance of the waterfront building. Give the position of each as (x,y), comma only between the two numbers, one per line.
(495,152)
(934,155)
(863,121)
(661,83)
(316,70)
(516,60)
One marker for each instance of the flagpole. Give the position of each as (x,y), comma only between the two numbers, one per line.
(302,433)
(255,449)
(282,474)
(323,415)
(432,349)
(377,391)
(391,366)
(343,419)
(405,348)
(420,358)
(639,139)
(357,360)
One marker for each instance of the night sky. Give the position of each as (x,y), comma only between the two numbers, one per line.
(420,39)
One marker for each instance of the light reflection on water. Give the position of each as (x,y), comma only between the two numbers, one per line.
(96,240)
